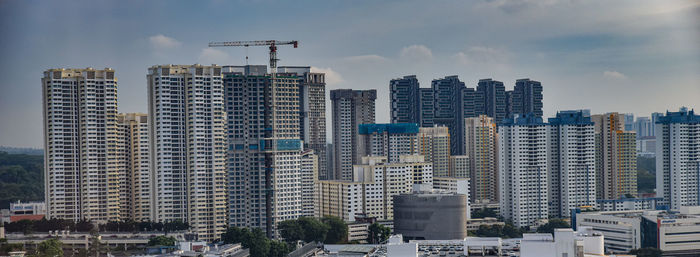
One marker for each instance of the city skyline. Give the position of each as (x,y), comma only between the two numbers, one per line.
(647,53)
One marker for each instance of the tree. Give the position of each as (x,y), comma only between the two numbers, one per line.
(337,232)
(483,213)
(257,243)
(291,231)
(234,235)
(552,224)
(50,248)
(506,231)
(647,252)
(314,229)
(162,240)
(84,226)
(278,249)
(379,233)
(21,178)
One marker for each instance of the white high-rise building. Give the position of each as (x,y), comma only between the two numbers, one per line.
(187,144)
(389,140)
(264,147)
(375,184)
(135,186)
(82,166)
(523,169)
(309,176)
(678,159)
(572,163)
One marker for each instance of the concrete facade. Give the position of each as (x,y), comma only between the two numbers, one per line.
(430,215)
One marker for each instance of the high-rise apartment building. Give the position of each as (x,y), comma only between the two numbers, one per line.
(309,176)
(643,127)
(460,166)
(616,157)
(434,144)
(523,172)
(481,142)
(388,140)
(135,185)
(188,146)
(491,99)
(572,163)
(264,147)
(350,109)
(405,100)
(526,97)
(82,165)
(678,159)
(451,102)
(312,112)
(629,122)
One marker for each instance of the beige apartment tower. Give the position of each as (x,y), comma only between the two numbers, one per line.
(81,144)
(187,120)
(481,147)
(135,184)
(434,144)
(616,157)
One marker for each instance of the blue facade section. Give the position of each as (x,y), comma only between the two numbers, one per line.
(683,116)
(288,144)
(391,128)
(571,118)
(528,119)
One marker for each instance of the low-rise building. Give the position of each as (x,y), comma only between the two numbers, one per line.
(27,211)
(474,224)
(429,214)
(676,232)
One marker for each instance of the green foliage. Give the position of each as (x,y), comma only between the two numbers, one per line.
(552,224)
(255,240)
(162,241)
(6,248)
(647,252)
(483,212)
(278,249)
(507,231)
(378,233)
(337,232)
(291,231)
(646,174)
(50,248)
(21,178)
(314,229)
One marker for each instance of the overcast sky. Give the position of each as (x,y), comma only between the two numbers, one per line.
(608,56)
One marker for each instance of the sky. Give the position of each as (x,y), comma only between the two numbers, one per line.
(628,56)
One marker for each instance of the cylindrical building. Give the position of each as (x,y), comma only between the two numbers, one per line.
(430,216)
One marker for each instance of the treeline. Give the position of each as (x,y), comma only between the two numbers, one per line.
(21,178)
(330,230)
(44,225)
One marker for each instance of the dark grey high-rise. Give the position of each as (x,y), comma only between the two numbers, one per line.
(350,109)
(405,98)
(447,103)
(493,103)
(526,97)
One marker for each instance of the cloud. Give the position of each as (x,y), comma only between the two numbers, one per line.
(160,41)
(416,53)
(213,56)
(332,77)
(515,6)
(614,75)
(482,55)
(372,58)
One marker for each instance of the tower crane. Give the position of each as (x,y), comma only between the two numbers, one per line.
(272,43)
